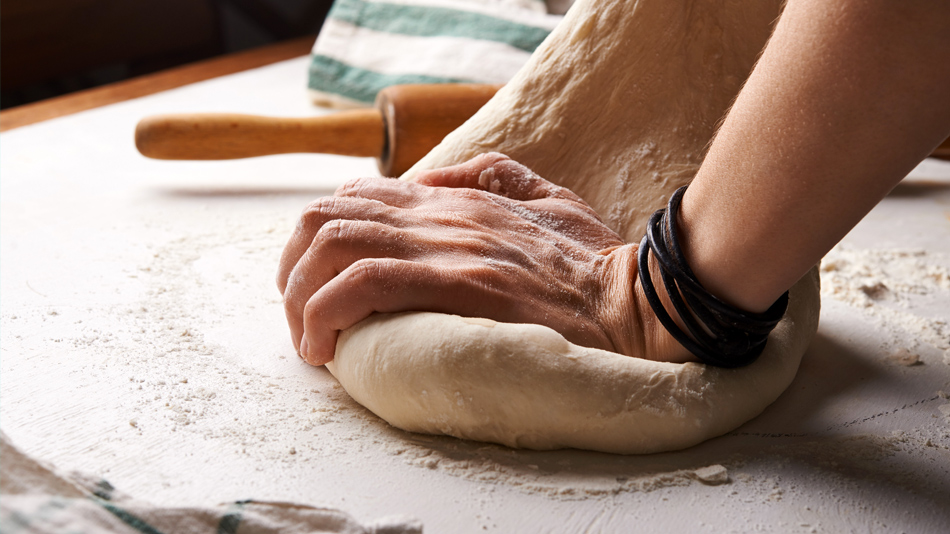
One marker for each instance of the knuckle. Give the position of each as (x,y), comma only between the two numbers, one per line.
(320,211)
(367,269)
(449,219)
(471,195)
(354,187)
(333,235)
(374,272)
(333,213)
(332,230)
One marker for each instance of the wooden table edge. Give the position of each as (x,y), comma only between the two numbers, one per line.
(153,83)
(184,75)
(942,151)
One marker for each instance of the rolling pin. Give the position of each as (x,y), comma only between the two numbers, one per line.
(407,122)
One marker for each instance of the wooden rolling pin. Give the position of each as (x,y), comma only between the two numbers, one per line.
(409,120)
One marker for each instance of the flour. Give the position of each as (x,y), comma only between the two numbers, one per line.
(189,378)
(905,357)
(186,382)
(750,470)
(885,284)
(568,475)
(194,382)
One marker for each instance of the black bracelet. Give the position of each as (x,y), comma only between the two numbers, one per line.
(728,336)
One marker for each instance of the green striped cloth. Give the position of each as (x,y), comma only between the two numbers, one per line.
(37,499)
(367,45)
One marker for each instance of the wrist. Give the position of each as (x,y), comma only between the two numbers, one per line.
(627,318)
(699,239)
(718,333)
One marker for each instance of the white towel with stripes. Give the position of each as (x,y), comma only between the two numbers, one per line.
(367,45)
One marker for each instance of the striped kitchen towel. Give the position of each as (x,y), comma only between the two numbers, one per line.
(367,45)
(37,499)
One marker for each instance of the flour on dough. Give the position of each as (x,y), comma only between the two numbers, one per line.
(617,105)
(524,385)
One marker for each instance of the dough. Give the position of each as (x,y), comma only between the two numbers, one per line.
(620,101)
(526,386)
(618,105)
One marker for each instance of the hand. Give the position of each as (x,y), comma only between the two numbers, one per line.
(488,238)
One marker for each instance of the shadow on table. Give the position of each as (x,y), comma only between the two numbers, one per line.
(793,438)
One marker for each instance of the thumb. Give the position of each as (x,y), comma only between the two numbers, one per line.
(498,174)
(461,175)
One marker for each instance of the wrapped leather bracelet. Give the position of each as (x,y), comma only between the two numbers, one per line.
(728,336)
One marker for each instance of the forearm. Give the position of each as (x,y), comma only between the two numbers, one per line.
(847,97)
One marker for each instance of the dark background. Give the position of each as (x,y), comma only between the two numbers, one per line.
(53,47)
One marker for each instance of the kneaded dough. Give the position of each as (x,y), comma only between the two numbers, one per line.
(526,386)
(620,101)
(617,105)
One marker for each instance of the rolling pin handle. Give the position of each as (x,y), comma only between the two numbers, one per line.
(409,121)
(211,136)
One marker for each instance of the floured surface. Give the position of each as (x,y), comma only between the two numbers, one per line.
(143,339)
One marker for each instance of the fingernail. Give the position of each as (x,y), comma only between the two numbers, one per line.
(304,349)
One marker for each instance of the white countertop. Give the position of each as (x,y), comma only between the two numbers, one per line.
(143,339)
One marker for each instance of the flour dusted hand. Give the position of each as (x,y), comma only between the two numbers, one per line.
(488,238)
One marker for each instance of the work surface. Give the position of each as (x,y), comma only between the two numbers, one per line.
(143,340)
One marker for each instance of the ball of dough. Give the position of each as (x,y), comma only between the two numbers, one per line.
(526,386)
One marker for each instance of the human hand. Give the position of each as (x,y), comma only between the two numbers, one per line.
(488,238)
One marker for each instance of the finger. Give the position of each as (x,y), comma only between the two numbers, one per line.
(395,193)
(322,211)
(499,174)
(388,285)
(463,175)
(515,181)
(367,286)
(337,245)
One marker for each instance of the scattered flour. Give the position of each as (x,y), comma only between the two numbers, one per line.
(184,381)
(884,284)
(905,357)
(567,474)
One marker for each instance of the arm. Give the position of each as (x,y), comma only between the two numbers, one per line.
(847,98)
